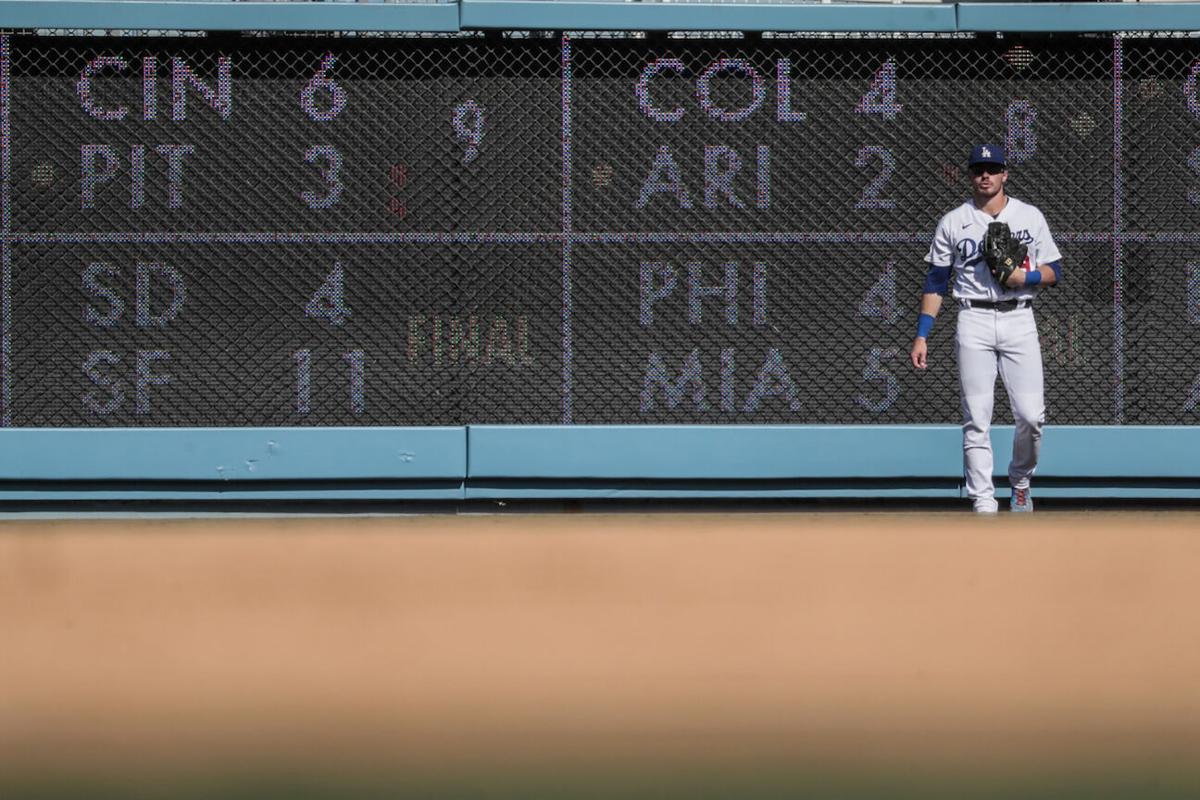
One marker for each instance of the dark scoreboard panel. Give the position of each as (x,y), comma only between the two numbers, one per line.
(827,135)
(425,231)
(311,334)
(273,137)
(756,333)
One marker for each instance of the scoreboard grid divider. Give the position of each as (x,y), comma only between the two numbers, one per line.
(796,237)
(5,241)
(577,237)
(568,343)
(283,237)
(1117,239)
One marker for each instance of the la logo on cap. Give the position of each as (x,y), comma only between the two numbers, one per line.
(986,153)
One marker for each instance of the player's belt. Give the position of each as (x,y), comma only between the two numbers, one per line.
(999,305)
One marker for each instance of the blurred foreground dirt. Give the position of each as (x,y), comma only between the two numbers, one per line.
(879,639)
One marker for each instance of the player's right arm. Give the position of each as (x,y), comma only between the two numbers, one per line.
(940,260)
(931,304)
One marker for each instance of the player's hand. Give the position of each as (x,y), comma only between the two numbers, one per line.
(919,348)
(1017,279)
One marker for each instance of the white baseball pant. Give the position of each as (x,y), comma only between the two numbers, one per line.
(988,341)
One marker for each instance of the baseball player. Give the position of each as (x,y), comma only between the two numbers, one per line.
(993,254)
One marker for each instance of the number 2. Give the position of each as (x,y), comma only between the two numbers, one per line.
(871,194)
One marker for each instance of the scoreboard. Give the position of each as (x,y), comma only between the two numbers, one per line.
(270,231)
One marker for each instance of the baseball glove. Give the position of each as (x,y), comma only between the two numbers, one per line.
(1002,251)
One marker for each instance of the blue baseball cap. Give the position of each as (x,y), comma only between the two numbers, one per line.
(987,154)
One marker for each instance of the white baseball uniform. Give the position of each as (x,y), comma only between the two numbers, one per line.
(995,339)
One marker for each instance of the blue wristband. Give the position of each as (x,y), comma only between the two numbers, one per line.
(1033,278)
(924,326)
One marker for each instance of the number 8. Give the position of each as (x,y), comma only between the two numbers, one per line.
(1022,140)
(1189,89)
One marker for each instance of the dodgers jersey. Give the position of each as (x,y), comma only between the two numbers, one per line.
(958,244)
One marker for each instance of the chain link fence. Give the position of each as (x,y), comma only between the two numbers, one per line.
(522,228)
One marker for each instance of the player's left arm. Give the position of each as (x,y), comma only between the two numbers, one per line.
(1044,275)
(1049,271)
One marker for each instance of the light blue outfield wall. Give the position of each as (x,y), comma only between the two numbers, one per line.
(572,461)
(815,461)
(233,463)
(1081,17)
(92,14)
(233,454)
(772,452)
(705,17)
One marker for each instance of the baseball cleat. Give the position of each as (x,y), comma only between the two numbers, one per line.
(986,507)
(1022,500)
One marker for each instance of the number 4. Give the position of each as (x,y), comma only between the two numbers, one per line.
(329,302)
(880,301)
(1193,162)
(881,97)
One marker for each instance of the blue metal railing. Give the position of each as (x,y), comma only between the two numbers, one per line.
(575,15)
